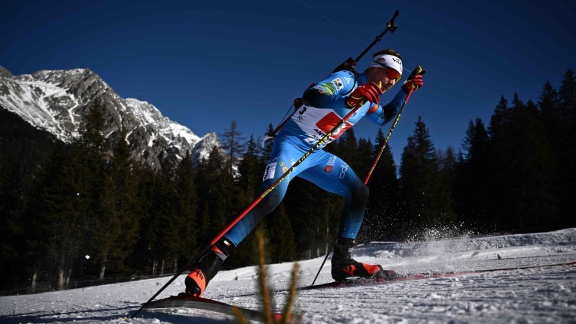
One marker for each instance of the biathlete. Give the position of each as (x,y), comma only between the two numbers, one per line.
(324,105)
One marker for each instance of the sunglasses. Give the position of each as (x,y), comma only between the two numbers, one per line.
(391,73)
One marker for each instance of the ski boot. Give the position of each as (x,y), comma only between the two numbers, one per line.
(207,268)
(343,266)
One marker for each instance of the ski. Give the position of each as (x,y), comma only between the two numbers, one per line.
(425,275)
(388,276)
(187,301)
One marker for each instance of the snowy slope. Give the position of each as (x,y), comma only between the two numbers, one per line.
(536,295)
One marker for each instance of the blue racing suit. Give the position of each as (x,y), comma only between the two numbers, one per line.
(322,110)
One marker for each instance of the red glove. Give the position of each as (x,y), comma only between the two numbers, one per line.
(413,82)
(366,92)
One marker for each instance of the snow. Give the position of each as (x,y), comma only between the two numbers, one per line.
(539,294)
(147,114)
(35,95)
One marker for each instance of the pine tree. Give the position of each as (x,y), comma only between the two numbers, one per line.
(232,143)
(250,169)
(12,226)
(187,211)
(212,182)
(549,105)
(499,131)
(227,199)
(142,254)
(348,149)
(267,145)
(364,158)
(162,227)
(381,221)
(102,223)
(567,93)
(473,180)
(113,235)
(523,167)
(565,131)
(536,167)
(444,194)
(419,180)
(60,210)
(36,239)
(282,242)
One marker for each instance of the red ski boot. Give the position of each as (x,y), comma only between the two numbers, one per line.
(343,266)
(207,268)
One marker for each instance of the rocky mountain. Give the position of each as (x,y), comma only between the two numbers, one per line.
(56,101)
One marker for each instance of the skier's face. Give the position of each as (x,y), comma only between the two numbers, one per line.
(386,75)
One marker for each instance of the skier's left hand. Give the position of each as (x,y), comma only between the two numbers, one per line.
(414,82)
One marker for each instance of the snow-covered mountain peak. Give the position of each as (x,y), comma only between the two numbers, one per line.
(57,101)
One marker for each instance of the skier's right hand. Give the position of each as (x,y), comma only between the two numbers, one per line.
(365,92)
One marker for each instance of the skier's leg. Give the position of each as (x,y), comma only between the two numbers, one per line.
(282,158)
(333,174)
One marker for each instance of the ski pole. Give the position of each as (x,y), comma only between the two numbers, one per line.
(350,63)
(417,70)
(324,261)
(390,26)
(252,205)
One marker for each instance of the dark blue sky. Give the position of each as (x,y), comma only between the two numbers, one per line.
(204,64)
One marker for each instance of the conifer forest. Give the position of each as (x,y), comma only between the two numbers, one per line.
(86,211)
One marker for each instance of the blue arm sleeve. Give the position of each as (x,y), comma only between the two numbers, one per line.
(384,114)
(330,92)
